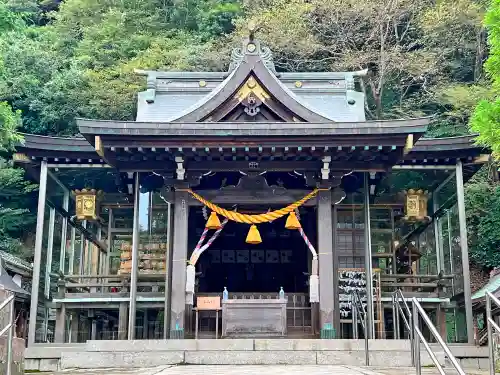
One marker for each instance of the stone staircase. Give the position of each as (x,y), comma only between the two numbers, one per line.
(153,353)
(150,353)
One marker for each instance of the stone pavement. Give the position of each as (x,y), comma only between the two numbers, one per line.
(262,370)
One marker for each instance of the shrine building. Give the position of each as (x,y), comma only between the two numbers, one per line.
(271,186)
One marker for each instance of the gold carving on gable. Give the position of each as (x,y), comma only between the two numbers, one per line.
(252,88)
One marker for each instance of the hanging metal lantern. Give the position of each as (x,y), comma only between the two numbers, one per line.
(416,205)
(87,204)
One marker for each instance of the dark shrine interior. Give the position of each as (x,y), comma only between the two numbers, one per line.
(281,260)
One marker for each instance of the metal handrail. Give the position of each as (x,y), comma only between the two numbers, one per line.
(10,328)
(417,336)
(358,311)
(402,310)
(490,323)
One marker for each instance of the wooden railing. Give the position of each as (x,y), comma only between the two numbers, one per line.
(154,285)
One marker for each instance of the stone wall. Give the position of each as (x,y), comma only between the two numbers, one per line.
(17,345)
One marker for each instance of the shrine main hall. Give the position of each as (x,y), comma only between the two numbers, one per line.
(247,203)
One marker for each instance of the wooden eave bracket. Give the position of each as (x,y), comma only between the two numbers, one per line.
(409,144)
(99,147)
(482,159)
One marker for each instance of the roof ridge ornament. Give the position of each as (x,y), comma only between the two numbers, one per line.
(252,46)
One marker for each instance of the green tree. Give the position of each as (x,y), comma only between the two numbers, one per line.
(412,49)
(16,220)
(486,118)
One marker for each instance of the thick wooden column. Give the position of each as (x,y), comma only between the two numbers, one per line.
(336,306)
(469,317)
(75,326)
(122,321)
(325,251)
(368,261)
(59,335)
(179,258)
(135,262)
(37,259)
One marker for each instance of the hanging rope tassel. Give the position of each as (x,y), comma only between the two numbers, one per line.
(313,288)
(190,269)
(292,222)
(314,277)
(213,221)
(190,278)
(253,236)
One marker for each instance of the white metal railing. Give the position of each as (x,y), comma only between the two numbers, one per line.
(491,325)
(416,314)
(400,309)
(359,312)
(9,302)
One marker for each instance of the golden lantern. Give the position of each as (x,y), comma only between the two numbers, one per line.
(416,205)
(87,204)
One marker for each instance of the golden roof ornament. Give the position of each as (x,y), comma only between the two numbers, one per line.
(251,45)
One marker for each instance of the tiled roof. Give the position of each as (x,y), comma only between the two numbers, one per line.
(492,286)
(10,259)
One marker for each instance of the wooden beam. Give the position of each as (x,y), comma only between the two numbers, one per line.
(99,148)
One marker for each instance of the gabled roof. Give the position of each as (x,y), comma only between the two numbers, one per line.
(332,94)
(194,96)
(250,75)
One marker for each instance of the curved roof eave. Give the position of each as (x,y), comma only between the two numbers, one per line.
(416,126)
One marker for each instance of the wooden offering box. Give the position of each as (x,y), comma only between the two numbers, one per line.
(254,318)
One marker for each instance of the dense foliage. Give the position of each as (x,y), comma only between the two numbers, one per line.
(486,118)
(61,60)
(15,197)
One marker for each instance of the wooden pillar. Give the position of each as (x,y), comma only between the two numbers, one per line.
(59,336)
(135,261)
(469,317)
(60,324)
(146,325)
(368,261)
(75,326)
(122,321)
(93,324)
(50,247)
(38,252)
(179,258)
(325,251)
(441,322)
(336,310)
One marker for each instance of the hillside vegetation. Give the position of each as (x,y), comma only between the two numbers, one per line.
(76,58)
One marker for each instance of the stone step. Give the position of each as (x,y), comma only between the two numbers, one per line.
(140,353)
(247,345)
(95,360)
